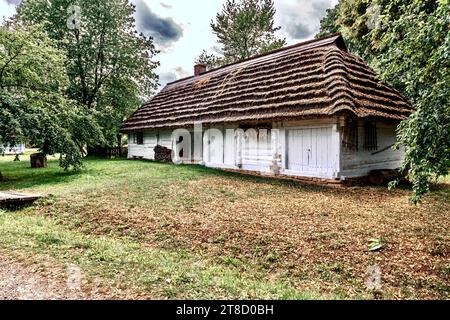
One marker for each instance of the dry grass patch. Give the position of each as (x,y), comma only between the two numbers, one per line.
(315,238)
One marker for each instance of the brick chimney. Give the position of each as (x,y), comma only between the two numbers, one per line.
(199,69)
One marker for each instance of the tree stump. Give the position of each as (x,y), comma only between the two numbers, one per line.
(38,160)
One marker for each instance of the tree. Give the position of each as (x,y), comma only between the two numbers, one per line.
(110,66)
(328,23)
(351,19)
(211,61)
(33,105)
(244,29)
(408,43)
(420,66)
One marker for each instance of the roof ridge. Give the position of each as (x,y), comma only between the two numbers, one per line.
(312,79)
(297,45)
(337,77)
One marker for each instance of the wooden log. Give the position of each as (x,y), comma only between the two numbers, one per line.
(38,160)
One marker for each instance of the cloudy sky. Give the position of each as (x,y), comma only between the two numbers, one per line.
(181,28)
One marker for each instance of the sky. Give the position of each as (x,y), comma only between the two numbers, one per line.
(181,28)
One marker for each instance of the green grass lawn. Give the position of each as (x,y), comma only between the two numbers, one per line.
(166,231)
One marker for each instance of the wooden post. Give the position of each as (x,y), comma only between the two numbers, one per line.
(275,151)
(283,147)
(336,150)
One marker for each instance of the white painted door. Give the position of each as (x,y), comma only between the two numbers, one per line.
(214,146)
(309,150)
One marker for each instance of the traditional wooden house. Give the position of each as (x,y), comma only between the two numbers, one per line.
(323,113)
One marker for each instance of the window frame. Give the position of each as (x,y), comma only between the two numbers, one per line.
(138,138)
(350,140)
(370,136)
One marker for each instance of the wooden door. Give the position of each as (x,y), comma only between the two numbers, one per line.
(309,150)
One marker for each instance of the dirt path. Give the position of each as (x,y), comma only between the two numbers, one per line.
(20,282)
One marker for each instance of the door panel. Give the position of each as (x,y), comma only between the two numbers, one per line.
(308,150)
(214,147)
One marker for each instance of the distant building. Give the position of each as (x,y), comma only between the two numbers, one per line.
(14,150)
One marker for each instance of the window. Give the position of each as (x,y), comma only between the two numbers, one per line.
(138,138)
(370,136)
(350,139)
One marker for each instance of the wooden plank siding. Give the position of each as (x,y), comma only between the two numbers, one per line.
(305,148)
(361,162)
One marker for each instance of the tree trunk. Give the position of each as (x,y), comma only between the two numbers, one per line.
(119,144)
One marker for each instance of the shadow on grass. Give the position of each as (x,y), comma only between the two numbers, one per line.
(441,190)
(31,178)
(21,176)
(16,206)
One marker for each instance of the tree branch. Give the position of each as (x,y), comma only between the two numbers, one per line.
(2,70)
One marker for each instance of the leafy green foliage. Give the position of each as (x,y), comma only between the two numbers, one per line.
(409,46)
(210,60)
(426,79)
(33,106)
(110,67)
(244,29)
(328,23)
(376,244)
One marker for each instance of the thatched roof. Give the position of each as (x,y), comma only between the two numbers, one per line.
(311,79)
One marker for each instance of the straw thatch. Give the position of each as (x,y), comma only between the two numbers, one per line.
(311,79)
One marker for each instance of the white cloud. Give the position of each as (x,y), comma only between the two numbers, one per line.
(300,19)
(165,30)
(7,8)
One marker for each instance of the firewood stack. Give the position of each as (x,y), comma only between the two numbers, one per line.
(163,154)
